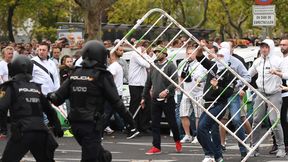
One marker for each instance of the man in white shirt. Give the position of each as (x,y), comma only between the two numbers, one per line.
(45,72)
(117,71)
(7,55)
(191,73)
(268,82)
(137,77)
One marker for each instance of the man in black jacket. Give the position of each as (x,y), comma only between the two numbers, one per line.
(217,85)
(87,90)
(27,104)
(162,95)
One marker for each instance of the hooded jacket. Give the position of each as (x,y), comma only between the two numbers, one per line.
(269,83)
(223,89)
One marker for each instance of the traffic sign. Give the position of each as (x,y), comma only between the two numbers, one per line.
(264,20)
(264,15)
(268,9)
(263,2)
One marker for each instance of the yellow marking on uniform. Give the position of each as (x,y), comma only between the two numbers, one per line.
(2,93)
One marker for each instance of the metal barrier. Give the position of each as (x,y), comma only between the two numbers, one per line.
(163,16)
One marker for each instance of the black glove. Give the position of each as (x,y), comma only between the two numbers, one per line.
(58,132)
(51,96)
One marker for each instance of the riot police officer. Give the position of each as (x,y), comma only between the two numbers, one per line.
(27,104)
(87,89)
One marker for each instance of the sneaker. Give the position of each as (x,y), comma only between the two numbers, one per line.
(281,153)
(273,150)
(108,130)
(178,146)
(243,155)
(67,133)
(195,140)
(255,153)
(186,139)
(171,134)
(208,159)
(220,159)
(132,133)
(153,151)
(223,147)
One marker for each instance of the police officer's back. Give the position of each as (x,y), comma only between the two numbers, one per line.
(27,104)
(87,89)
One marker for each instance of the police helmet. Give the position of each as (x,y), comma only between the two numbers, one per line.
(21,65)
(95,51)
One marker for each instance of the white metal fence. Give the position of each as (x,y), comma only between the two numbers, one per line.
(160,16)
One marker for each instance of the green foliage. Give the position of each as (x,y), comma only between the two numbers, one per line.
(128,12)
(45,32)
(281,14)
(44,13)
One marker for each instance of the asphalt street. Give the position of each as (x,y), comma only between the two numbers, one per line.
(133,150)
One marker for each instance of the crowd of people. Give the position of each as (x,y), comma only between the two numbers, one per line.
(200,75)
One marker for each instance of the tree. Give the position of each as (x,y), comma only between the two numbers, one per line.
(204,19)
(93,10)
(11,8)
(241,18)
(281,14)
(185,12)
(19,11)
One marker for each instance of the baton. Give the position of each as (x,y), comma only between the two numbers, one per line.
(137,111)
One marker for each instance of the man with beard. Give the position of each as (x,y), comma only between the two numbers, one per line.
(162,100)
(284,119)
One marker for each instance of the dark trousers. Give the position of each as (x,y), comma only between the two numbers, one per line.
(209,140)
(35,142)
(3,121)
(89,139)
(109,111)
(284,119)
(156,112)
(143,117)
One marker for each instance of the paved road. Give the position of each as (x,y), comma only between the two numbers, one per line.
(133,150)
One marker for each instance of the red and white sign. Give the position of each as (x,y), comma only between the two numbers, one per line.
(263,2)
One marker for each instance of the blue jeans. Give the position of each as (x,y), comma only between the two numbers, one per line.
(233,108)
(210,142)
(177,114)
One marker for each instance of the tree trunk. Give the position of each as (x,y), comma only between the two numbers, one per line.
(9,23)
(222,33)
(93,24)
(242,19)
(93,10)
(204,19)
(180,3)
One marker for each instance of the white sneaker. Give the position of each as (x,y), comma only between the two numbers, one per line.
(108,130)
(281,153)
(195,140)
(171,134)
(186,139)
(208,159)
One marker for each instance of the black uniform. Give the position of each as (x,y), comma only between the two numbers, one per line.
(27,104)
(87,89)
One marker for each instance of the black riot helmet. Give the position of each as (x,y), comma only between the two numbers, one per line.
(21,65)
(94,54)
